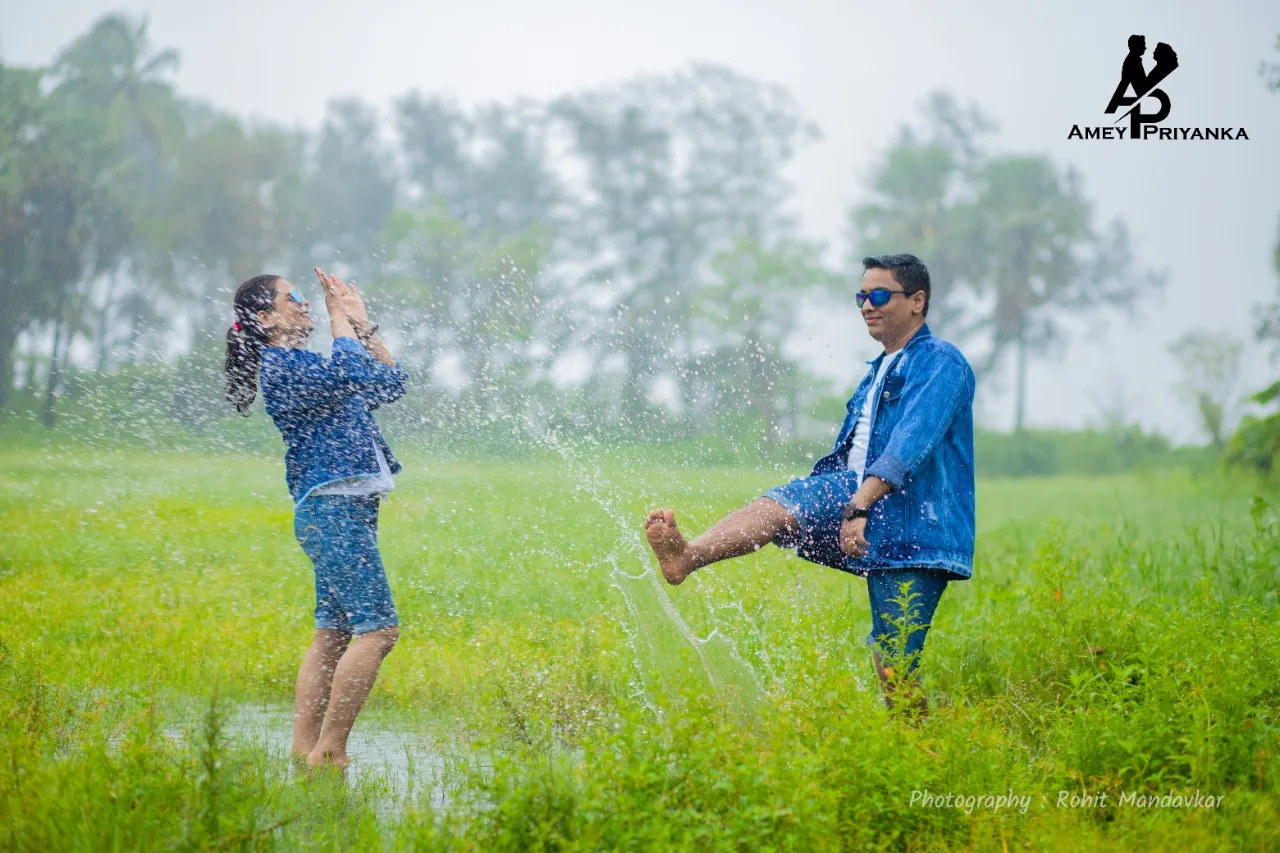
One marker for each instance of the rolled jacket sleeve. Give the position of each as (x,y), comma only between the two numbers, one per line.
(932,395)
(379,383)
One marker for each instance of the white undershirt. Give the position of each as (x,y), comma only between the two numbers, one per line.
(363,484)
(862,429)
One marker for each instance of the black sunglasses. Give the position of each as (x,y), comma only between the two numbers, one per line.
(879,297)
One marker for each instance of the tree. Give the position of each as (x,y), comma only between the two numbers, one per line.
(433,138)
(349,188)
(1041,259)
(677,168)
(452,288)
(464,259)
(113,69)
(1210,365)
(232,209)
(22,170)
(1256,443)
(920,202)
(634,232)
(61,218)
(753,302)
(1270,72)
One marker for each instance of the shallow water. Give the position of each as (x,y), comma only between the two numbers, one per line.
(397,762)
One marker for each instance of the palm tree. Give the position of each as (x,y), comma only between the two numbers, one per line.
(1043,259)
(115,70)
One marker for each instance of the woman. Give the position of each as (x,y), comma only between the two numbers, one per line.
(337,466)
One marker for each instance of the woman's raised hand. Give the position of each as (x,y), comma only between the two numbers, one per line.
(341,322)
(346,298)
(354,304)
(333,292)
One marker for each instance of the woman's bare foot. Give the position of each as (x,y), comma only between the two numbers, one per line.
(328,759)
(668,545)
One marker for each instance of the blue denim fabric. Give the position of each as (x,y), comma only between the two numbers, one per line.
(921,444)
(885,592)
(340,535)
(817,504)
(322,409)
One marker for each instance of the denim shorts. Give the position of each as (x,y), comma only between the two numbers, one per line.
(817,504)
(340,535)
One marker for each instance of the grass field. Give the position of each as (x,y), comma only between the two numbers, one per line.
(1120,636)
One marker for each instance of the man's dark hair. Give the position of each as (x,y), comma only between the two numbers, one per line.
(907,270)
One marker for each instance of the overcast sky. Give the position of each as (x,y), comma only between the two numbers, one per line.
(1206,211)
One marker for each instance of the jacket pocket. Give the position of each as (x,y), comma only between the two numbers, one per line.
(889,528)
(891,390)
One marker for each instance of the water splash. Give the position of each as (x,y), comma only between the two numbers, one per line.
(645,593)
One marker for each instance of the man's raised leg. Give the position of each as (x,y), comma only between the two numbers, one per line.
(741,532)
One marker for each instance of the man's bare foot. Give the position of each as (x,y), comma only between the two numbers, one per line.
(668,545)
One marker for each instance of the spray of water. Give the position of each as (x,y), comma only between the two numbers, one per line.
(645,594)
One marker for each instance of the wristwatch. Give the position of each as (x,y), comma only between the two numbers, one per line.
(852,511)
(368,332)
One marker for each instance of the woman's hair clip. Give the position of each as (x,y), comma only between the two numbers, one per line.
(236,326)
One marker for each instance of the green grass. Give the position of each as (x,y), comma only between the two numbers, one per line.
(1121,635)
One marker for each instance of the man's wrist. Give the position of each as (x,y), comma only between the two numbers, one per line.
(854,510)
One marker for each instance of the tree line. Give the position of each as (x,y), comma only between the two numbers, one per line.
(640,231)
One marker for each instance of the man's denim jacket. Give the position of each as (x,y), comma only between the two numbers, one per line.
(921,444)
(322,409)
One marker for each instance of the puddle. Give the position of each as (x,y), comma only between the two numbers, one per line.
(407,762)
(398,765)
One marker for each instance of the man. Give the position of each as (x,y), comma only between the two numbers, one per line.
(894,502)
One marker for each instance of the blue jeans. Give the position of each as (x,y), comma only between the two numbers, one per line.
(340,535)
(897,633)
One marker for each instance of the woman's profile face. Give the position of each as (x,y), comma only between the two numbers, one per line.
(289,321)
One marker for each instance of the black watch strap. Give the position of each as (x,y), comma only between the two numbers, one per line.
(851,511)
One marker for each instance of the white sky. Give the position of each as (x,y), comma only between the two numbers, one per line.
(1207,211)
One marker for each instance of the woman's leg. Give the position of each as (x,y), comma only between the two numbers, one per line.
(311,696)
(741,532)
(352,681)
(352,591)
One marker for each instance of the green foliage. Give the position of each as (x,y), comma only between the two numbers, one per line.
(1129,644)
(1210,365)
(178,406)
(1270,72)
(1042,452)
(1256,443)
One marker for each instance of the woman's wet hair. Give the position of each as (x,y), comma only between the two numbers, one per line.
(245,340)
